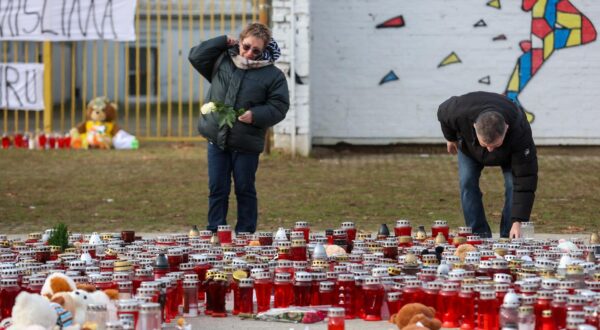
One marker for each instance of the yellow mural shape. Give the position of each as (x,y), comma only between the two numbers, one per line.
(574,38)
(450,59)
(513,84)
(494,3)
(539,9)
(569,20)
(548,45)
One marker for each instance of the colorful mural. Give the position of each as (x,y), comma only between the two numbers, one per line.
(555,24)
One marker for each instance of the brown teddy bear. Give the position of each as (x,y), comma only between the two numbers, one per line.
(416,316)
(99,126)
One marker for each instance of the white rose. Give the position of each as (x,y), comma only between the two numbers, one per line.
(208,107)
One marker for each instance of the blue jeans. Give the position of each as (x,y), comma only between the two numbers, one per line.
(469,172)
(221,165)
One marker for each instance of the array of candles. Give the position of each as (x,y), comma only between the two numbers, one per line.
(495,284)
(36,141)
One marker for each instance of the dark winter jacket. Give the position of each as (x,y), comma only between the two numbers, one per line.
(457,116)
(263,90)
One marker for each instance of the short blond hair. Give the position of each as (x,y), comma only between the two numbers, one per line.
(257,30)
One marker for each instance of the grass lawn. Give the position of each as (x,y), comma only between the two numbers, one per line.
(163,187)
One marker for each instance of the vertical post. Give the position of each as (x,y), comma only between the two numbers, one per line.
(263,11)
(47,57)
(263,17)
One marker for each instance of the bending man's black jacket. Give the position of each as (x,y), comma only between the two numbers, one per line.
(457,116)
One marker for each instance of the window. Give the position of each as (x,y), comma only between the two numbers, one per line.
(147,71)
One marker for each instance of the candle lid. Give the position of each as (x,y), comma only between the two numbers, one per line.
(246,283)
(150,307)
(336,312)
(402,223)
(303,276)
(370,280)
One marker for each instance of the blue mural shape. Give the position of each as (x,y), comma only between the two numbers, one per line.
(390,76)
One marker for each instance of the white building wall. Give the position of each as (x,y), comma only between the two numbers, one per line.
(349,56)
(294,131)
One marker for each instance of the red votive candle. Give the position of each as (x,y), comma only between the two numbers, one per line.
(263,287)
(402,228)
(302,288)
(284,290)
(224,234)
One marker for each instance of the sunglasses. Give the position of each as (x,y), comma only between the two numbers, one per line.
(255,51)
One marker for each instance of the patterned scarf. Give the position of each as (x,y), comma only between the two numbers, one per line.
(269,55)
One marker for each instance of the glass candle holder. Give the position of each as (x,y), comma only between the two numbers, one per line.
(128,236)
(245,304)
(326,293)
(304,228)
(487,311)
(298,250)
(217,289)
(263,287)
(336,318)
(149,317)
(402,228)
(128,307)
(345,294)
(224,234)
(265,238)
(302,288)
(284,290)
(9,290)
(350,229)
(373,298)
(190,298)
(440,226)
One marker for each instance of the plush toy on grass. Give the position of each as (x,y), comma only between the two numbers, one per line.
(99,127)
(416,316)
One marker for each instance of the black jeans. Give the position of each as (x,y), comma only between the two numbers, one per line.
(221,165)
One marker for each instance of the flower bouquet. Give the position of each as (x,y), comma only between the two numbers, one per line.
(226,114)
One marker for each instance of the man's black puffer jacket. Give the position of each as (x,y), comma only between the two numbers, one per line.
(457,116)
(264,91)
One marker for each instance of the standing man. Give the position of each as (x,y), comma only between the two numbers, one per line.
(242,75)
(488,129)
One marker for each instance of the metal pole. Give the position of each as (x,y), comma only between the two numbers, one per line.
(47,57)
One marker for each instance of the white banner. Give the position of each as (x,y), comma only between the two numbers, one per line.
(22,86)
(66,20)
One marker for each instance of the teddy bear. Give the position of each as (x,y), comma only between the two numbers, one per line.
(57,282)
(32,311)
(416,316)
(67,303)
(99,127)
(100,297)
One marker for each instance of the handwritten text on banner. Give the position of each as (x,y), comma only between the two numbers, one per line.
(63,20)
(22,86)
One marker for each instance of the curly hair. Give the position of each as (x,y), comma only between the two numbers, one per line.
(257,30)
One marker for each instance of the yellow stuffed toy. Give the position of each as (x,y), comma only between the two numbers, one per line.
(99,127)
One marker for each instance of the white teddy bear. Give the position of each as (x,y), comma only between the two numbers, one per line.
(32,312)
